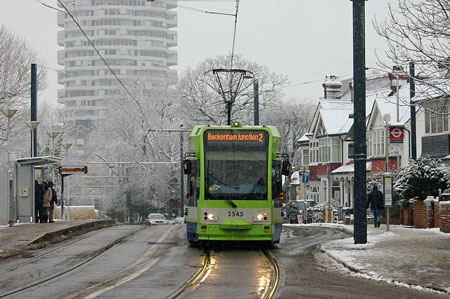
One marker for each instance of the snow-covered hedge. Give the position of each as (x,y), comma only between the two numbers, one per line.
(421,178)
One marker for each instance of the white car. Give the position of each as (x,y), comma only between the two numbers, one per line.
(156,218)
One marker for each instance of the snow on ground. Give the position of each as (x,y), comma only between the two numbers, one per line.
(389,256)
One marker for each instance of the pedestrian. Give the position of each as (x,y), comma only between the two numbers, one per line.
(376,202)
(53,202)
(38,200)
(47,200)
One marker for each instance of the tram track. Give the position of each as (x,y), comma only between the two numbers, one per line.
(200,277)
(92,256)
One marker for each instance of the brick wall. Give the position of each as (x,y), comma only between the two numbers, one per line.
(444,216)
(420,214)
(429,202)
(77,213)
(436,213)
(406,216)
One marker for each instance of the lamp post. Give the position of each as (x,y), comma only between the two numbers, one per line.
(32,125)
(66,146)
(9,113)
(53,135)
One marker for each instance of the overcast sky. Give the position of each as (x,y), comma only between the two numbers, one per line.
(305,40)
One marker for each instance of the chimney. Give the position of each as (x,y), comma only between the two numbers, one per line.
(332,87)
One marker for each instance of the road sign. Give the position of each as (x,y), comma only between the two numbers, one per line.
(73,170)
(396,134)
(305,177)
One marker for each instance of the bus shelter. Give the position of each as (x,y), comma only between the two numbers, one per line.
(24,188)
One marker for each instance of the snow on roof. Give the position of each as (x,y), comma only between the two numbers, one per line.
(350,168)
(431,89)
(335,115)
(303,138)
(337,122)
(388,104)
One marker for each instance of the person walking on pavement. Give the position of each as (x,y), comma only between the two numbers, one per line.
(53,202)
(376,203)
(38,201)
(47,200)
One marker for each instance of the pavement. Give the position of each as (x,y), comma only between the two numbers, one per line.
(28,236)
(415,258)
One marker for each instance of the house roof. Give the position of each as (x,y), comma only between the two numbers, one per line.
(335,115)
(429,89)
(348,168)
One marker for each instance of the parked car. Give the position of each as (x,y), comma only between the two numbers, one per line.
(157,218)
(297,208)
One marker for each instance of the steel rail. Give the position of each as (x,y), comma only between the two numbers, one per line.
(76,266)
(198,276)
(275,279)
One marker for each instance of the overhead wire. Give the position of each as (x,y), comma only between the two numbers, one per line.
(51,7)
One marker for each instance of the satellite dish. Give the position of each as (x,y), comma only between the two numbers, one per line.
(387,118)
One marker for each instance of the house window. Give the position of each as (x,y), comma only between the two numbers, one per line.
(305,157)
(437,119)
(337,150)
(313,152)
(324,150)
(376,143)
(351,150)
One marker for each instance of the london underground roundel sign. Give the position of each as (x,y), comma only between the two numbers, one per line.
(396,134)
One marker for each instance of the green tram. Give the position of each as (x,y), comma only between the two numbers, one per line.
(234,184)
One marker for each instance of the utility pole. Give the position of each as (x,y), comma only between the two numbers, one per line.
(412,93)
(359,125)
(181,173)
(256,101)
(33,108)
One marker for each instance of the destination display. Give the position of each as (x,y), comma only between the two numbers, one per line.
(73,170)
(235,137)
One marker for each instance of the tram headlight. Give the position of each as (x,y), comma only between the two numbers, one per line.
(261,216)
(209,217)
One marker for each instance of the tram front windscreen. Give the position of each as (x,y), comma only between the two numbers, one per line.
(236,164)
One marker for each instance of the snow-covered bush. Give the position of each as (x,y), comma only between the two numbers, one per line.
(421,178)
(373,181)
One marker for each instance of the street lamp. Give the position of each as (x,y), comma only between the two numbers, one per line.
(53,135)
(32,125)
(66,146)
(9,113)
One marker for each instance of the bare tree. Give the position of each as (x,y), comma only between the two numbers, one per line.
(419,32)
(202,100)
(292,121)
(133,141)
(16,57)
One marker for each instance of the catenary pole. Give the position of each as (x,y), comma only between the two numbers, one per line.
(181,173)
(33,108)
(359,125)
(256,101)
(412,93)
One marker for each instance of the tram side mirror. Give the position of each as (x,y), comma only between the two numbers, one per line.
(286,168)
(187,164)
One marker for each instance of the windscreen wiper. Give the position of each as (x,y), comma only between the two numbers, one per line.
(228,201)
(231,203)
